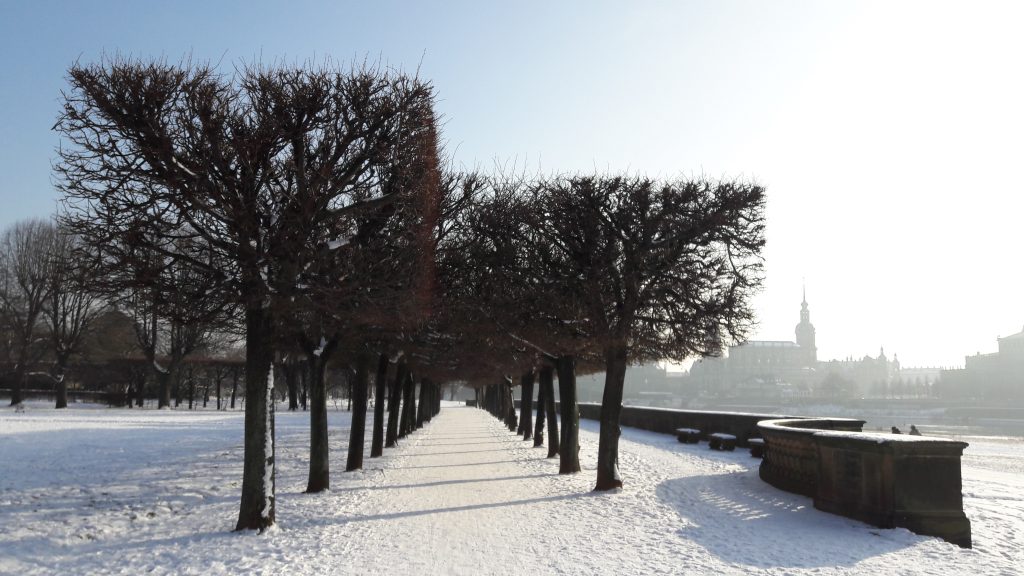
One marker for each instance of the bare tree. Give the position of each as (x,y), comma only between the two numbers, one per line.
(535,316)
(659,269)
(263,167)
(168,296)
(25,273)
(71,307)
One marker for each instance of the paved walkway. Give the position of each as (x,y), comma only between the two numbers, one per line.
(459,494)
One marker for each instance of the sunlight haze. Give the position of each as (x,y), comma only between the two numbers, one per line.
(888,134)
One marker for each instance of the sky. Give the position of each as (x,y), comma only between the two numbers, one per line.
(888,134)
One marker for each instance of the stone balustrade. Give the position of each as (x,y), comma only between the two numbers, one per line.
(887,480)
(790,459)
(742,425)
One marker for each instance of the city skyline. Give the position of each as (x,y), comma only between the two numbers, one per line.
(886,134)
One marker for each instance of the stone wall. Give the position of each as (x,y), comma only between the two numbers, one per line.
(887,480)
(742,425)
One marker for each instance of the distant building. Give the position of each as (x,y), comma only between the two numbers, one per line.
(863,378)
(775,370)
(763,368)
(645,385)
(766,371)
(998,376)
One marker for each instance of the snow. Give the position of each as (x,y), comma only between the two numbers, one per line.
(268,449)
(182,166)
(335,244)
(115,491)
(883,437)
(159,368)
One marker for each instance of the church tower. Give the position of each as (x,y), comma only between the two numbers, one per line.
(805,333)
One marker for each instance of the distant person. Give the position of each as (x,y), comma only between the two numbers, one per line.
(914,431)
(896,430)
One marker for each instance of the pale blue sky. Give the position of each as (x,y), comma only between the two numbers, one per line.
(887,133)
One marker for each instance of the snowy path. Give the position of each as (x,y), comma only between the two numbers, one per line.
(454,505)
(155,492)
(465,496)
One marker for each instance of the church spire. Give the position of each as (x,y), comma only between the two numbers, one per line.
(805,332)
(805,314)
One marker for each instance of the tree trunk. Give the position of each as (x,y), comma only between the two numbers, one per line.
(358,432)
(522,400)
(319,457)
(538,428)
(257,508)
(235,385)
(291,379)
(304,378)
(408,417)
(177,389)
(163,384)
(510,408)
(191,390)
(393,403)
(18,384)
(547,383)
(436,392)
(570,444)
(220,380)
(20,374)
(60,383)
(526,405)
(421,408)
(140,390)
(611,407)
(377,445)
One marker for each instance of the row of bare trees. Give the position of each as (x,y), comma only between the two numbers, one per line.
(606,271)
(312,210)
(47,303)
(57,305)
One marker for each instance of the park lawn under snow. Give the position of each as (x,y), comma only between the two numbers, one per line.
(115,491)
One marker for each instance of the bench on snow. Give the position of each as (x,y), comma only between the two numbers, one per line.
(720,441)
(688,435)
(756,447)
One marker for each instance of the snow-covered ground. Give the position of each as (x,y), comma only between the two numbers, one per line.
(114,491)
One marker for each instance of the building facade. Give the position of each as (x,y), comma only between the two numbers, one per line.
(998,376)
(777,370)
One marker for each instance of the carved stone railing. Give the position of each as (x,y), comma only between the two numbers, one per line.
(888,480)
(790,459)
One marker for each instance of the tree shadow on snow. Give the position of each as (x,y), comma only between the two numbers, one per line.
(441,483)
(428,442)
(429,454)
(465,508)
(743,520)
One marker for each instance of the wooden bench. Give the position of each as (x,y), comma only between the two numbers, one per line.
(720,441)
(688,435)
(756,447)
